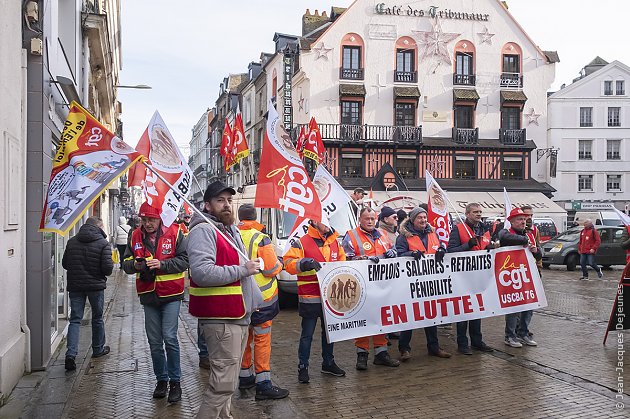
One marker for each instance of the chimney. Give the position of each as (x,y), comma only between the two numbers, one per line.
(311,22)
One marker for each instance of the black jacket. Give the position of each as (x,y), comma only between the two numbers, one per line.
(88,260)
(519,239)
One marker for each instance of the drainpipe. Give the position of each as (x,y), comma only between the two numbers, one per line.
(86,72)
(23,325)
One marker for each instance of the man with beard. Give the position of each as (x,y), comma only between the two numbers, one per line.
(416,239)
(469,236)
(223,295)
(157,255)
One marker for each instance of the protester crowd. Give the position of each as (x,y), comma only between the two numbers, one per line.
(233,292)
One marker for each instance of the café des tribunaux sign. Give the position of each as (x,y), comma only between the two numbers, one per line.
(432,12)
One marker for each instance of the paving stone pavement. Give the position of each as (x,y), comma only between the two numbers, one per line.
(570,373)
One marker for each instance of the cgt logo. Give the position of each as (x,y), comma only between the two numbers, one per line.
(514,280)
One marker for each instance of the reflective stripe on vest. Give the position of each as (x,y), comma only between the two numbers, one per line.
(221,302)
(466,231)
(415,243)
(367,247)
(165,284)
(268,286)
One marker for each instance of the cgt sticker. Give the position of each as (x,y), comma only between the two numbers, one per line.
(514,281)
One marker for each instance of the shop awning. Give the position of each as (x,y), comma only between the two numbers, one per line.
(465,95)
(513,96)
(409,92)
(351,90)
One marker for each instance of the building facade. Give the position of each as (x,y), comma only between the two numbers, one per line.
(589,124)
(200,153)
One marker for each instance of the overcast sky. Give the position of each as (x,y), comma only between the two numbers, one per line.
(184,49)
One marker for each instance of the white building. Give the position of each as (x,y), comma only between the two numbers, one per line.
(199,154)
(589,122)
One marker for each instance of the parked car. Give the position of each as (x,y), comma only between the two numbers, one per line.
(563,250)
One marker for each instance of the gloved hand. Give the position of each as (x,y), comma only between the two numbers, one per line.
(472,242)
(391,253)
(309,264)
(374,259)
(417,254)
(439,254)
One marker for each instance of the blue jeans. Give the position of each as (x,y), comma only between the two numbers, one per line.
(201,343)
(77,306)
(586,260)
(521,319)
(474,328)
(404,341)
(306,338)
(160,324)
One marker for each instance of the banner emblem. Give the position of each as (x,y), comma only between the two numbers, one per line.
(514,280)
(344,292)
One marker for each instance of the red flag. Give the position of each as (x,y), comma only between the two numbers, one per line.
(437,204)
(301,141)
(239,143)
(314,146)
(282,179)
(226,146)
(187,209)
(163,155)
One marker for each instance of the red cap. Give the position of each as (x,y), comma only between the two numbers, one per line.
(147,210)
(515,213)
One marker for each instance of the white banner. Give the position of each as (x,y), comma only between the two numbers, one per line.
(363,298)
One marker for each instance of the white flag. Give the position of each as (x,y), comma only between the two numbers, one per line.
(508,208)
(625,219)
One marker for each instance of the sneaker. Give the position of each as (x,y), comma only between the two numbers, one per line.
(483,348)
(175,392)
(384,359)
(246,382)
(333,369)
(465,350)
(204,362)
(513,343)
(584,278)
(528,341)
(303,375)
(70,364)
(600,274)
(405,356)
(160,390)
(104,352)
(271,393)
(362,358)
(441,353)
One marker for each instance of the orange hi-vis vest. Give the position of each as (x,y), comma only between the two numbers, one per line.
(466,231)
(221,302)
(433,243)
(165,284)
(308,286)
(364,245)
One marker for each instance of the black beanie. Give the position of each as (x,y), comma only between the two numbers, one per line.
(247,212)
(385,212)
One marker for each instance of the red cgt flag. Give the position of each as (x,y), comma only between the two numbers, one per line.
(239,143)
(282,179)
(301,141)
(314,146)
(226,146)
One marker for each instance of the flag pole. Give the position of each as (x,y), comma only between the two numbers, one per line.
(198,211)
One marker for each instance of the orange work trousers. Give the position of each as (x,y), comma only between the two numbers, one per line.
(260,334)
(378,341)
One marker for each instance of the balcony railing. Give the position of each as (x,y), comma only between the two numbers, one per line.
(350,133)
(464,79)
(512,136)
(466,135)
(511,80)
(406,76)
(351,73)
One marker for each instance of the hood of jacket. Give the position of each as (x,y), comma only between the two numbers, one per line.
(89,233)
(408,230)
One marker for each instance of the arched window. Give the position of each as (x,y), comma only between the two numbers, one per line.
(352,57)
(465,64)
(512,65)
(406,60)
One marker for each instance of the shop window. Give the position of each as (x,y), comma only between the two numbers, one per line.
(512,168)
(464,167)
(352,165)
(406,166)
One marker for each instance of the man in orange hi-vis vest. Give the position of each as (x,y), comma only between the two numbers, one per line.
(367,242)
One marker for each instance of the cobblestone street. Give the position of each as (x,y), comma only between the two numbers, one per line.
(570,373)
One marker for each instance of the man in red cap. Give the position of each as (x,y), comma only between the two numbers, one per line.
(517,235)
(157,255)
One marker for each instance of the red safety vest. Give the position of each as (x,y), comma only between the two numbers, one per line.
(364,245)
(165,284)
(308,286)
(221,302)
(415,243)
(466,231)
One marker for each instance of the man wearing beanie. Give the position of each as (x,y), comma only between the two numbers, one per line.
(259,246)
(416,239)
(157,255)
(388,223)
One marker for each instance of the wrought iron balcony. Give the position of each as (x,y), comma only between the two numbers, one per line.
(512,136)
(350,133)
(466,136)
(464,79)
(351,73)
(511,80)
(406,76)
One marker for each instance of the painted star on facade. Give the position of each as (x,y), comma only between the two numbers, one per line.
(486,36)
(322,51)
(532,117)
(434,42)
